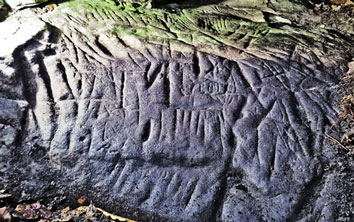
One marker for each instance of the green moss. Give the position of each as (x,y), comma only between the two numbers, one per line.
(286,5)
(198,26)
(40,1)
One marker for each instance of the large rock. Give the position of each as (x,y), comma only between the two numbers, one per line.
(206,114)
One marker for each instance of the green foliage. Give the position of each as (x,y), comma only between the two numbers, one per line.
(4,11)
(40,1)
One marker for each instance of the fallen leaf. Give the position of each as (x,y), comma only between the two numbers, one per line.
(5,214)
(50,7)
(114,217)
(83,200)
(66,214)
(32,211)
(338,1)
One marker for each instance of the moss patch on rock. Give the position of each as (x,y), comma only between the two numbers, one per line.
(210,28)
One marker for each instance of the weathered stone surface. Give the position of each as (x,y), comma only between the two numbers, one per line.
(169,124)
(22,3)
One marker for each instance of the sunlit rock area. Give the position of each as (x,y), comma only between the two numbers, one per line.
(199,110)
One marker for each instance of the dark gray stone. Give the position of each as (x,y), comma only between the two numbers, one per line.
(185,136)
(163,131)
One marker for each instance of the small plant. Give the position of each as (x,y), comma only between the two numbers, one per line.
(347,106)
(143,3)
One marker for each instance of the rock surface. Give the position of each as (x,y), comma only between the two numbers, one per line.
(22,3)
(212,113)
